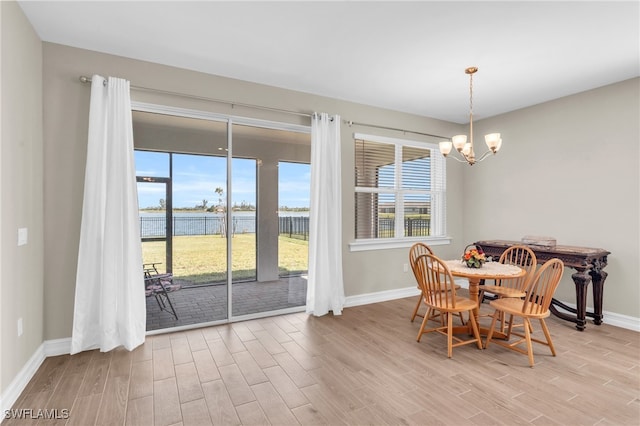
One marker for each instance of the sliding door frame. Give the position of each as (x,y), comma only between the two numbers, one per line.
(230,120)
(168,234)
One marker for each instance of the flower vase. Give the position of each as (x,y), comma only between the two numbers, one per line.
(474,263)
(473,256)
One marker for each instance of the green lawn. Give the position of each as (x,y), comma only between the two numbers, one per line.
(203,258)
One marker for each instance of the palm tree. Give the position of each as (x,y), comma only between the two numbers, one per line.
(220,209)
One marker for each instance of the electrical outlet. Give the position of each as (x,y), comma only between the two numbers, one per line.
(405,267)
(19,327)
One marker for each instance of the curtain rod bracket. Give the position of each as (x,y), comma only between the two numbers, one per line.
(351,123)
(84,79)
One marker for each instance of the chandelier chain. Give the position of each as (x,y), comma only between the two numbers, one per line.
(471,93)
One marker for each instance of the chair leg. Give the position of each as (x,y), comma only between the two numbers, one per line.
(543,324)
(163,296)
(510,329)
(415,311)
(476,332)
(449,334)
(502,320)
(436,316)
(172,308)
(527,336)
(493,324)
(424,323)
(159,301)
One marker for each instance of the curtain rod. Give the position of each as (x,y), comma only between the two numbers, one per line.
(353,123)
(85,79)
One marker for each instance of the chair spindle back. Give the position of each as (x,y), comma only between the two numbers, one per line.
(523,257)
(436,281)
(416,250)
(542,287)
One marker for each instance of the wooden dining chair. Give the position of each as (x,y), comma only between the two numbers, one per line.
(535,305)
(517,255)
(416,250)
(439,294)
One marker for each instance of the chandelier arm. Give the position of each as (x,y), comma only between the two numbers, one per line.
(457,159)
(485,155)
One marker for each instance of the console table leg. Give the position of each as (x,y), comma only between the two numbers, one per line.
(581,280)
(598,278)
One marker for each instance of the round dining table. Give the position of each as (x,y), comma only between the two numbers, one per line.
(489,271)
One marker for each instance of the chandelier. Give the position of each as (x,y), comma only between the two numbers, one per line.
(459,142)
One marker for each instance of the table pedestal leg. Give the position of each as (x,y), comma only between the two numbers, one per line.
(474,290)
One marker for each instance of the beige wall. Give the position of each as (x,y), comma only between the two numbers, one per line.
(21,268)
(584,124)
(65,104)
(568,169)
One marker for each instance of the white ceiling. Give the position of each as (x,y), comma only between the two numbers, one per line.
(406,56)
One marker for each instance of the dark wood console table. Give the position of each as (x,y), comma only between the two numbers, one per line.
(588,263)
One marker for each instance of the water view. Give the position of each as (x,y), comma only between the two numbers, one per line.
(152,224)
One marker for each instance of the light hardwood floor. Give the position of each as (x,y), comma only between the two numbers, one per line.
(362,368)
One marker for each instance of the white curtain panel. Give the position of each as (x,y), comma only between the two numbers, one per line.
(110,307)
(325,288)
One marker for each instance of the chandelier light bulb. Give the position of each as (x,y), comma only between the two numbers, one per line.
(445,147)
(459,141)
(492,140)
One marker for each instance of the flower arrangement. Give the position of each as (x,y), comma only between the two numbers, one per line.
(473,257)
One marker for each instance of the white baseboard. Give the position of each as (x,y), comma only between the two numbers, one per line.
(46,349)
(57,347)
(15,388)
(611,318)
(380,296)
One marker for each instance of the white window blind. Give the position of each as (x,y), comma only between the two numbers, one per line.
(400,189)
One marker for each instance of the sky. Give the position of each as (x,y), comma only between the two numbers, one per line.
(196,177)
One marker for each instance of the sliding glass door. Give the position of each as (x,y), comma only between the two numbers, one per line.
(294,199)
(258,179)
(199,242)
(223,239)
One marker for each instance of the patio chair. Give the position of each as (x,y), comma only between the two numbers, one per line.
(159,286)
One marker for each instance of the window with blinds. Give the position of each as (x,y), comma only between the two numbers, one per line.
(400,188)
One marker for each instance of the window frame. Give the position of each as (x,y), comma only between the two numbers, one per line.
(438,213)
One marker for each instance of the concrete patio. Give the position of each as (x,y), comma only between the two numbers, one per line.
(200,304)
